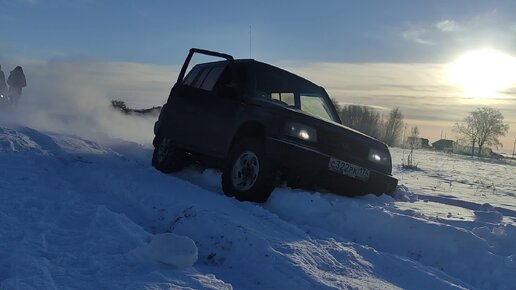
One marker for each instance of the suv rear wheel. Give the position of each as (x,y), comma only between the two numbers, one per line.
(167,157)
(248,173)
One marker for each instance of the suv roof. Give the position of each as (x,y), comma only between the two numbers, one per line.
(272,72)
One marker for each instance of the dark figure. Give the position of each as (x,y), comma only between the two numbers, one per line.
(16,82)
(3,86)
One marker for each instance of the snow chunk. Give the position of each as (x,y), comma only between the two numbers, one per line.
(402,193)
(171,249)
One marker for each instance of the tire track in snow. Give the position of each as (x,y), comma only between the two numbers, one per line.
(464,204)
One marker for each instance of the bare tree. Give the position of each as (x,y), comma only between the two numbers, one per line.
(393,127)
(490,126)
(414,141)
(371,122)
(483,127)
(362,118)
(468,130)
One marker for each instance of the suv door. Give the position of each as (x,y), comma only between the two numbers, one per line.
(197,113)
(224,107)
(208,112)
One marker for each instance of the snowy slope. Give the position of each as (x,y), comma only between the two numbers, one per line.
(81,214)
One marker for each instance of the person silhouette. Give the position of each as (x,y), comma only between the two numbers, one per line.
(3,86)
(16,82)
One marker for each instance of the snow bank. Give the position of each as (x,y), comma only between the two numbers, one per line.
(171,249)
(73,214)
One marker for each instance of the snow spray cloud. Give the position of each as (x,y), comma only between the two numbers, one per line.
(73,97)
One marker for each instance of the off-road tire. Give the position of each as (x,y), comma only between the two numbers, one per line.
(264,182)
(167,158)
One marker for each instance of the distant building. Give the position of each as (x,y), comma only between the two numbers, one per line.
(443,145)
(425,143)
(421,142)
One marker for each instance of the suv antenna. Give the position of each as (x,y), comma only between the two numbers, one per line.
(250,41)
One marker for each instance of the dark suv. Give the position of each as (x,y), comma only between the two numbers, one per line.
(263,125)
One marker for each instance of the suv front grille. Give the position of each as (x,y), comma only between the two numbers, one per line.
(343,148)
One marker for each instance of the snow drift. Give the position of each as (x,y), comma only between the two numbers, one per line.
(75,213)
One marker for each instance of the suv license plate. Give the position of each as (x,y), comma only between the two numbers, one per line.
(348,169)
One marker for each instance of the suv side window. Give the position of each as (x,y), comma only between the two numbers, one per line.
(189,79)
(201,77)
(287,98)
(234,75)
(204,78)
(211,78)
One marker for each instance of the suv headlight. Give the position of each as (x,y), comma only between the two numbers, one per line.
(301,131)
(378,156)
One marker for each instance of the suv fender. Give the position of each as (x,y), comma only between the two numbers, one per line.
(248,129)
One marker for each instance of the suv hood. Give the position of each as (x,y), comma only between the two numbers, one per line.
(322,125)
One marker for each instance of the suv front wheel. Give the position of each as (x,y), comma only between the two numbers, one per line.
(248,173)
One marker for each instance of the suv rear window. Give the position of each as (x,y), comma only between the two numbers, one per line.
(211,78)
(189,79)
(203,78)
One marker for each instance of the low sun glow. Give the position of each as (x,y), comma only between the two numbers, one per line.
(483,73)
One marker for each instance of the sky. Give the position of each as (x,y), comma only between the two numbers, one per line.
(383,54)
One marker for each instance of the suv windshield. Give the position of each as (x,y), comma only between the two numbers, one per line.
(311,103)
(315,105)
(293,91)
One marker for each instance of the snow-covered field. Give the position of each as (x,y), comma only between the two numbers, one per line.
(78,214)
(457,187)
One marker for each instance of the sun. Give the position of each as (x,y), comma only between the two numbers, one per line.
(483,73)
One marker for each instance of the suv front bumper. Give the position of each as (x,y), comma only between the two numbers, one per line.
(310,166)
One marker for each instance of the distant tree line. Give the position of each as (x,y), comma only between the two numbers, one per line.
(386,128)
(480,128)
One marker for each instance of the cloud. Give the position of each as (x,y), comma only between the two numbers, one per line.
(447,26)
(490,28)
(428,34)
(416,34)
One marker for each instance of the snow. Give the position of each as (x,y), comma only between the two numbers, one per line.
(488,214)
(78,213)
